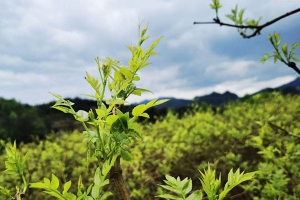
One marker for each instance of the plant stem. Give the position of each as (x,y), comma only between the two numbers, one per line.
(115,176)
(25,183)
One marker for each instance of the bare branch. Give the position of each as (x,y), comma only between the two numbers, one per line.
(257,28)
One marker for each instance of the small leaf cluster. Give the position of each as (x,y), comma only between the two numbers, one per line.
(51,188)
(93,192)
(15,165)
(283,53)
(5,193)
(210,185)
(236,16)
(181,189)
(216,6)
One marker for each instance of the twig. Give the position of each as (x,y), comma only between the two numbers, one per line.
(257,28)
(294,67)
(283,130)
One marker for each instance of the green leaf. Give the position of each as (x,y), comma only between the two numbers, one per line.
(294,46)
(144,31)
(240,21)
(171,188)
(108,164)
(39,185)
(126,155)
(285,49)
(62,108)
(55,194)
(47,182)
(138,91)
(186,186)
(146,115)
(196,195)
(105,195)
(95,191)
(97,177)
(57,96)
(67,186)
(133,133)
(100,113)
(119,126)
(4,191)
(265,58)
(233,180)
(159,102)
(111,119)
(118,76)
(139,109)
(92,81)
(209,182)
(54,182)
(169,196)
(275,59)
(215,5)
(126,72)
(69,196)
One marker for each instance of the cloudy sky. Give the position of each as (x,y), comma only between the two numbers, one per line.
(46,46)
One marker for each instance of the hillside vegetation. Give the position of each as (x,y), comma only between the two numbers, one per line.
(258,133)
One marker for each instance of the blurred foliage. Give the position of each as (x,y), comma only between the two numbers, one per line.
(259,133)
(20,122)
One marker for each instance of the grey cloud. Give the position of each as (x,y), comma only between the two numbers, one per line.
(58,40)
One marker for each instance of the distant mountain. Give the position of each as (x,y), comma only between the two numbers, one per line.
(295,83)
(216,99)
(175,103)
(292,87)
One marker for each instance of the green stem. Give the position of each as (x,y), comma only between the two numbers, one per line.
(25,183)
(278,53)
(98,133)
(104,82)
(86,128)
(101,143)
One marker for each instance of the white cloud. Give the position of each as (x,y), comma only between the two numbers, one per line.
(19,80)
(234,69)
(11,60)
(163,77)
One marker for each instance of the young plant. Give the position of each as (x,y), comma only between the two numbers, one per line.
(109,131)
(94,191)
(181,189)
(210,184)
(15,165)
